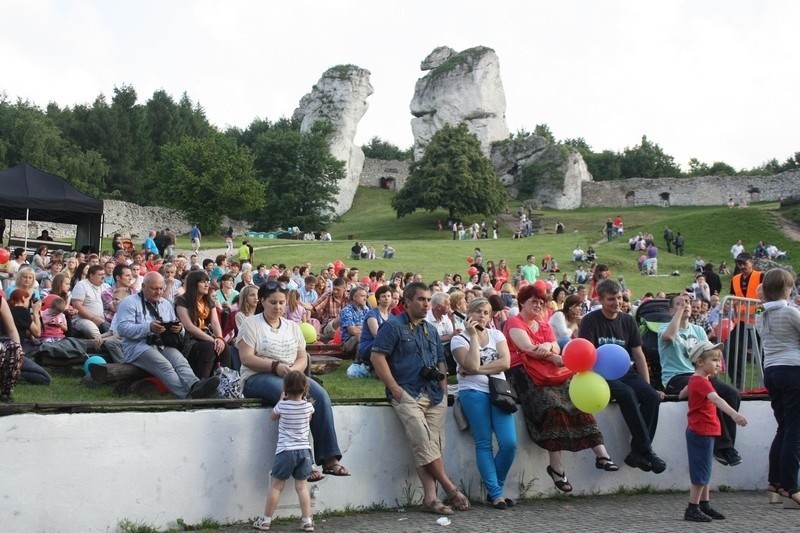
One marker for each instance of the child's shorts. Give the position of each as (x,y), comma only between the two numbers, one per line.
(292,463)
(700,449)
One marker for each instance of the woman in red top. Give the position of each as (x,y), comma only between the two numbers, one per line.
(542,383)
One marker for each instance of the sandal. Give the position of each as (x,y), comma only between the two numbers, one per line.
(773,492)
(790,500)
(605,463)
(559,480)
(307,526)
(457,500)
(335,470)
(315,476)
(508,501)
(437,507)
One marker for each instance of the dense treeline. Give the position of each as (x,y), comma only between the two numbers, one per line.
(165,152)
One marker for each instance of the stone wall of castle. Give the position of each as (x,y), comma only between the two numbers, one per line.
(376,170)
(708,190)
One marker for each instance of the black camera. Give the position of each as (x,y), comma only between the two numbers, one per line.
(154,339)
(431,373)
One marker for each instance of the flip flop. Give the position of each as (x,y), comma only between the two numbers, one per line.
(437,507)
(335,470)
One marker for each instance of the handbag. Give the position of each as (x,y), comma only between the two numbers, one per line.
(230,383)
(502,395)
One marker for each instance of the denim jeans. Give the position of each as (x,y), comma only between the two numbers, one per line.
(269,387)
(727,393)
(639,404)
(484,418)
(171,367)
(783,384)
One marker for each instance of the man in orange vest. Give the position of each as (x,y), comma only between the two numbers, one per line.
(743,285)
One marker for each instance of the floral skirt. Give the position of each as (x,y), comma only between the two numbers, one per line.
(553,422)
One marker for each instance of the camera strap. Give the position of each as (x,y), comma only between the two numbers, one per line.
(148,307)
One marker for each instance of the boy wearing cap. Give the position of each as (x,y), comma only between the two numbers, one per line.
(703,426)
(675,341)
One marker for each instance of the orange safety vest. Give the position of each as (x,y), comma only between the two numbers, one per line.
(752,287)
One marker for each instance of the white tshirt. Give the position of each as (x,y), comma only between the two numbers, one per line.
(281,346)
(90,295)
(487,354)
(443,326)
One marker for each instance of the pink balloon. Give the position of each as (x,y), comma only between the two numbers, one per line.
(4,255)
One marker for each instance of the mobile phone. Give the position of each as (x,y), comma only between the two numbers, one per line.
(170,324)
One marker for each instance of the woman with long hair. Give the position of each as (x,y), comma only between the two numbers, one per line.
(559,297)
(542,383)
(79,275)
(270,347)
(25,279)
(374,319)
(501,273)
(481,351)
(40,261)
(70,266)
(28,323)
(248,303)
(565,321)
(203,341)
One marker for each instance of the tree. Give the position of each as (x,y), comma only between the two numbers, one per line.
(379,149)
(543,130)
(648,160)
(209,177)
(453,174)
(300,176)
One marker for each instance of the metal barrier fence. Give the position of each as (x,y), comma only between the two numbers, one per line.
(742,344)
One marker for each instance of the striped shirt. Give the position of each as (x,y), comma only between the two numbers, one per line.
(293,424)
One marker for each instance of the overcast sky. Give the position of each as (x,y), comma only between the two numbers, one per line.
(717,80)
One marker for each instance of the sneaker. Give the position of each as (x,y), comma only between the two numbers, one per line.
(709,511)
(721,456)
(694,514)
(656,462)
(205,388)
(637,460)
(262,523)
(733,457)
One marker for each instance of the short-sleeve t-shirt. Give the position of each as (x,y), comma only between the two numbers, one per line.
(90,295)
(293,425)
(279,346)
(486,353)
(702,413)
(599,330)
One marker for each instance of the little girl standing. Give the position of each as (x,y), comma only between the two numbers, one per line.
(54,323)
(293,453)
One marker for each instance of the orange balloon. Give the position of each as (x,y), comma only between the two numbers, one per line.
(470,260)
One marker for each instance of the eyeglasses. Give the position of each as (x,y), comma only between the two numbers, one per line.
(273,286)
(536,303)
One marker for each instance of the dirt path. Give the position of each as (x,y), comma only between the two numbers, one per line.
(788,228)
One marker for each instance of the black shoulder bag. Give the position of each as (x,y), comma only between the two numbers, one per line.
(501,393)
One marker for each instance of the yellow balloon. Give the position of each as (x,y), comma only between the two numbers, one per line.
(372,301)
(309,333)
(589,392)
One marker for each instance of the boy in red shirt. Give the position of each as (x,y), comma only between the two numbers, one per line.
(703,426)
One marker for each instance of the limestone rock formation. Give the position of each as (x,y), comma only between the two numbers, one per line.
(560,170)
(340,97)
(459,86)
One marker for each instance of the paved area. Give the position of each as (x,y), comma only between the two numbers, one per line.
(744,511)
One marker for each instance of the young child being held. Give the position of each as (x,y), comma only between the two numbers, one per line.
(293,454)
(703,426)
(54,323)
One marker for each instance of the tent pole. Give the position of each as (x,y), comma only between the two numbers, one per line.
(102,231)
(27,227)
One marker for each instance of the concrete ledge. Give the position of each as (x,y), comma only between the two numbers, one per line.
(86,472)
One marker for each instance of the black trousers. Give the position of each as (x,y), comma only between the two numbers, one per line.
(639,403)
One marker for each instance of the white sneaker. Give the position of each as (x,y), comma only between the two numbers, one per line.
(307,526)
(262,523)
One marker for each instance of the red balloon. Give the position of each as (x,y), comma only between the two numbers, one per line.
(472,271)
(541,286)
(4,255)
(726,328)
(579,355)
(337,337)
(470,260)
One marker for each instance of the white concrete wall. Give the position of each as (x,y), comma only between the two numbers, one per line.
(86,472)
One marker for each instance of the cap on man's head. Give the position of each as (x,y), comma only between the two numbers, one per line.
(744,256)
(702,347)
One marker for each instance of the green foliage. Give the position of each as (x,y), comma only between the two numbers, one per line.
(379,149)
(208,177)
(580,145)
(341,72)
(300,177)
(465,57)
(543,130)
(718,168)
(453,174)
(648,160)
(549,167)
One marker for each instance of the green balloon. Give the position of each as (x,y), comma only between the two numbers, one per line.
(589,392)
(309,333)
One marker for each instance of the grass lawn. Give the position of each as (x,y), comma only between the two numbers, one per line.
(709,233)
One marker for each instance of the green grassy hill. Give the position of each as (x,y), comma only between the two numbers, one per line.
(709,233)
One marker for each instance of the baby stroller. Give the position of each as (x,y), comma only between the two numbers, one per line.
(651,315)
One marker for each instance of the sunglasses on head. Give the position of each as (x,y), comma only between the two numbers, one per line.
(273,286)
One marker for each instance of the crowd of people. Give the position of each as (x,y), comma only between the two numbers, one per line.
(179,318)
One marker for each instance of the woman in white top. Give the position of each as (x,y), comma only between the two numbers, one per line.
(481,352)
(565,322)
(779,327)
(269,347)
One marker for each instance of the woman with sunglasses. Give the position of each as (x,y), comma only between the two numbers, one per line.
(542,383)
(270,347)
(203,341)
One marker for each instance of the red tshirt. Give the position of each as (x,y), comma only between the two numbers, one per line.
(702,413)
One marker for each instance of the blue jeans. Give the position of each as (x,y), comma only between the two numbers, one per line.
(269,387)
(783,384)
(484,418)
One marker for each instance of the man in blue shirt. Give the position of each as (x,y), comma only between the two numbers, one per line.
(408,358)
(139,321)
(675,340)
(351,318)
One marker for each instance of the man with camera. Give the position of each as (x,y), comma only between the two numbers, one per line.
(408,358)
(144,321)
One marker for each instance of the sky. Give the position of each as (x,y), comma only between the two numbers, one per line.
(716,80)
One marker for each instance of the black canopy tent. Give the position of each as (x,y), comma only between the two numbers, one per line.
(27,193)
